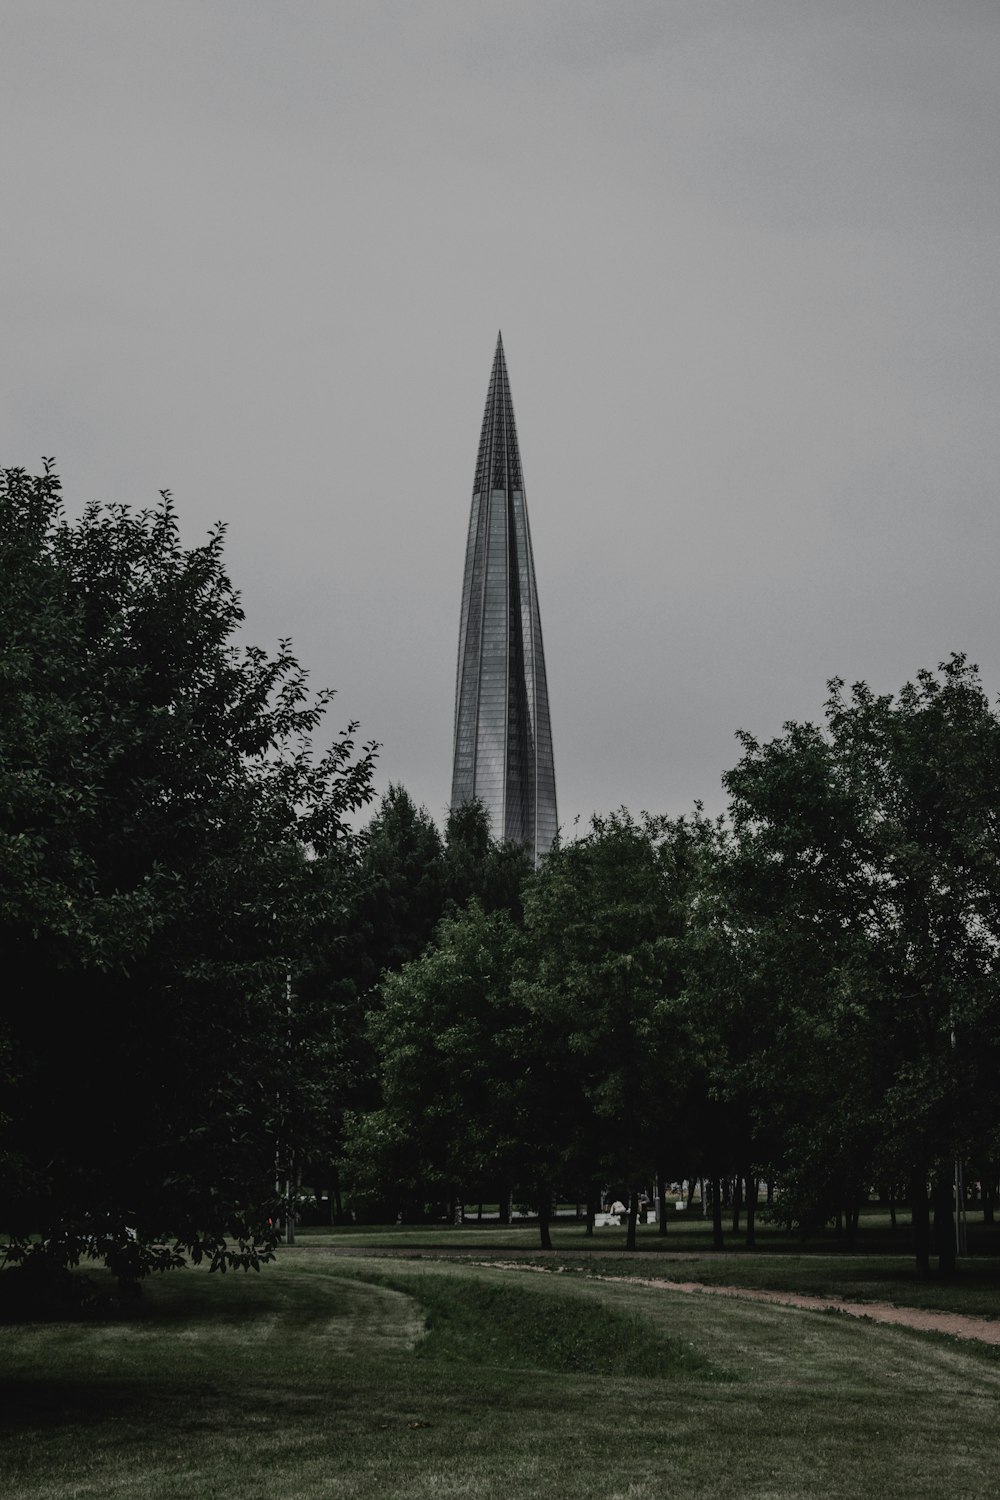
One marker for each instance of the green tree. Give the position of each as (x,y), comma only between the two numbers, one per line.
(467,1103)
(400,884)
(607,921)
(164,835)
(868,884)
(478,866)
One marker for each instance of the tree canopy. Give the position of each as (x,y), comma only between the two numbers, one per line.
(165,837)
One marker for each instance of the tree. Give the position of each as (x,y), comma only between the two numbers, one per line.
(607,926)
(164,835)
(868,876)
(465,1067)
(478,866)
(400,884)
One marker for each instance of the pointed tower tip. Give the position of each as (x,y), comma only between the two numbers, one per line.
(500,359)
(499,464)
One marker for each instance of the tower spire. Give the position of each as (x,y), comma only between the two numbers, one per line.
(498,457)
(503,739)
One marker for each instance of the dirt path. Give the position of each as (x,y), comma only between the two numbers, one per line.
(923,1319)
(959,1325)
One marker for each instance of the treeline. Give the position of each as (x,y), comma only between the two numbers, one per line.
(804,991)
(217,988)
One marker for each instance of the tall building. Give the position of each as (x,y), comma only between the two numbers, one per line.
(503,739)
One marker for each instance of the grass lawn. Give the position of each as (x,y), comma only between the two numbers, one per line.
(437,1378)
(872,1273)
(974,1290)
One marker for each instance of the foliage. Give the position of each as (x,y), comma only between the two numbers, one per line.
(866,886)
(608,923)
(480,867)
(165,832)
(459,1064)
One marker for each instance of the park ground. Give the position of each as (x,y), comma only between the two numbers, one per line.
(429,1363)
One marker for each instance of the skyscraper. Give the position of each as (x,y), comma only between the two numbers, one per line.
(503,739)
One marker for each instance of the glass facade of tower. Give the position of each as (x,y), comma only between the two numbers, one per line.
(503,738)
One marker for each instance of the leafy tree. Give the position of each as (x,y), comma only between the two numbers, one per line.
(400,885)
(165,831)
(407,878)
(478,866)
(607,923)
(868,876)
(390,888)
(464,1066)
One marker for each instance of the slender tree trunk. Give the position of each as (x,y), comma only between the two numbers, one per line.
(661,1202)
(292,1182)
(770,1191)
(633,1214)
(989,1195)
(593,1207)
(751,1176)
(851,1222)
(505,1204)
(944,1223)
(544,1215)
(892,1208)
(718,1241)
(921,1223)
(737,1203)
(692,1182)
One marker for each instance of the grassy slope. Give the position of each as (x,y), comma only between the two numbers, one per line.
(317,1379)
(873,1274)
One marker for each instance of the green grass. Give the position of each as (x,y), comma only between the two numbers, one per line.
(687,1232)
(419,1378)
(528,1323)
(780,1263)
(975,1290)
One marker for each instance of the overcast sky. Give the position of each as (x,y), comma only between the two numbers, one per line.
(745,260)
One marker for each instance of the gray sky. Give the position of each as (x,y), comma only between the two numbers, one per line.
(744,256)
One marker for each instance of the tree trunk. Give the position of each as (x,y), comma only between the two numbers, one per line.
(851,1222)
(989,1195)
(737,1203)
(544,1215)
(292,1180)
(633,1213)
(593,1207)
(751,1176)
(944,1223)
(892,1208)
(505,1204)
(718,1242)
(921,1223)
(661,1202)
